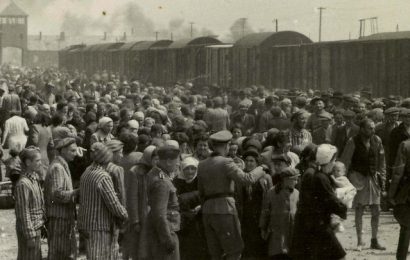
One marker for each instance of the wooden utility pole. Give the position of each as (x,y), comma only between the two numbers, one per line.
(243,26)
(192,29)
(276,24)
(156,36)
(320,22)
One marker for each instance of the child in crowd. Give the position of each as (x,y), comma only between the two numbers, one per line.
(345,191)
(278,213)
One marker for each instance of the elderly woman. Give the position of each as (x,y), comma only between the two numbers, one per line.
(29,206)
(192,241)
(135,241)
(103,134)
(249,200)
(313,236)
(278,214)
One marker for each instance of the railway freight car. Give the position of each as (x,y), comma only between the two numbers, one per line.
(380,65)
(219,65)
(122,58)
(109,57)
(148,61)
(66,58)
(250,56)
(186,60)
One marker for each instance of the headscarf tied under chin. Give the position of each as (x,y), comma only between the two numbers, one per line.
(189,161)
(103,121)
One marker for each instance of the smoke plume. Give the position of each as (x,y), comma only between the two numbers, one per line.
(240,28)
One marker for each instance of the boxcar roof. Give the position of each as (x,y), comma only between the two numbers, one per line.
(142,46)
(219,46)
(191,42)
(128,45)
(268,39)
(73,47)
(387,36)
(160,44)
(114,46)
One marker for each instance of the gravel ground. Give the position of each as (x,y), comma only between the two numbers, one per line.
(389,232)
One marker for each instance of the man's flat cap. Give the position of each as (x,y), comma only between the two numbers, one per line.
(349,113)
(392,111)
(223,136)
(405,112)
(289,172)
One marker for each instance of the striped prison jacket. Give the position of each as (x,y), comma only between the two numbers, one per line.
(29,206)
(100,207)
(58,190)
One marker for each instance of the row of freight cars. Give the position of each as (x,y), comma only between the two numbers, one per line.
(284,60)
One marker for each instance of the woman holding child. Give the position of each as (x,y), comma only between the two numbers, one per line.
(314,236)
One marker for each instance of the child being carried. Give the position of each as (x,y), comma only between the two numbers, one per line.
(345,191)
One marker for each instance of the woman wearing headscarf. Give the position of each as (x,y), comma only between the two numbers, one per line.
(135,242)
(191,237)
(313,235)
(103,134)
(249,200)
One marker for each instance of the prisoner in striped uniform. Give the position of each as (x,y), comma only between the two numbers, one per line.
(117,175)
(29,206)
(117,172)
(100,210)
(60,203)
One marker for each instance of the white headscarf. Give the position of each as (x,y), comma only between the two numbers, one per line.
(189,161)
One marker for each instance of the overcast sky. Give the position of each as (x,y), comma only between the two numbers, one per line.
(339,19)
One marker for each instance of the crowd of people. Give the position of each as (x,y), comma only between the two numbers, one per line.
(197,172)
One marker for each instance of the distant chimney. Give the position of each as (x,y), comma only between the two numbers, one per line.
(40,36)
(105,36)
(172,37)
(125,36)
(132,31)
(62,36)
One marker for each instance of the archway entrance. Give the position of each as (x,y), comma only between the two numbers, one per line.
(12,55)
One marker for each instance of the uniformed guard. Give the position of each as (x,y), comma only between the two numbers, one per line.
(216,177)
(164,218)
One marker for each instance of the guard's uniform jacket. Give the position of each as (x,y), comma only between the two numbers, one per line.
(164,218)
(216,178)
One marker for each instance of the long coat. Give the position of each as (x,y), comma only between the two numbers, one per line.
(313,237)
(278,215)
(400,184)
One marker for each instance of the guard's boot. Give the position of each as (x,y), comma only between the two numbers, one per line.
(375,245)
